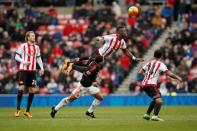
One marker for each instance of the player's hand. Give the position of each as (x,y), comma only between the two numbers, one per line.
(41,72)
(27,63)
(139,59)
(180,79)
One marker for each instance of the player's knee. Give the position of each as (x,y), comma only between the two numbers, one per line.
(98,96)
(159,100)
(101,98)
(31,90)
(71,98)
(21,87)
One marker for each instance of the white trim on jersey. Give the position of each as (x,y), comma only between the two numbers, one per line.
(111,44)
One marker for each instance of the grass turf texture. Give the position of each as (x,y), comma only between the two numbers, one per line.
(181,118)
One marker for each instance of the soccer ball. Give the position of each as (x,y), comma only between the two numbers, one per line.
(133,11)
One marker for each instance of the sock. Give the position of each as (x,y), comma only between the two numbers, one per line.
(63,102)
(30,99)
(157,108)
(19,98)
(95,103)
(151,107)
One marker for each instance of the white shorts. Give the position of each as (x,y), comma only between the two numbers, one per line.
(80,90)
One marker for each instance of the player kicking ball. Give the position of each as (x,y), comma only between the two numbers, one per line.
(151,72)
(86,84)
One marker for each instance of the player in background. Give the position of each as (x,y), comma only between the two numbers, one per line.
(28,54)
(110,44)
(151,72)
(86,85)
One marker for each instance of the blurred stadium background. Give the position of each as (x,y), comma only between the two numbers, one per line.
(66,28)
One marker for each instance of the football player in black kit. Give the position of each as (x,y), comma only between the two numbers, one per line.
(87,83)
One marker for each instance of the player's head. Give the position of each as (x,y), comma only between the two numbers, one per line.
(30,36)
(158,54)
(122,31)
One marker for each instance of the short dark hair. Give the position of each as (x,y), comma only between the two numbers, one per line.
(119,27)
(158,54)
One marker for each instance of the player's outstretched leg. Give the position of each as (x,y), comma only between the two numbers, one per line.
(90,114)
(69,69)
(64,101)
(96,102)
(53,112)
(65,65)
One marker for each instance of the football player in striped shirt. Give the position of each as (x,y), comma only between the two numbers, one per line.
(111,44)
(27,54)
(151,72)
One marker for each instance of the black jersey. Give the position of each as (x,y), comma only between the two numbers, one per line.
(90,73)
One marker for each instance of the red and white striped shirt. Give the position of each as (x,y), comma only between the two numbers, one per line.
(111,44)
(152,71)
(29,53)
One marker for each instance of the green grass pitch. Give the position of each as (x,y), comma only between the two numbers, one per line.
(177,118)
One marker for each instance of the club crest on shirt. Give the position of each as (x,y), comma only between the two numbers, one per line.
(31,52)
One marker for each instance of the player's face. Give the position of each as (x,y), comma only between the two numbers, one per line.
(123,32)
(32,37)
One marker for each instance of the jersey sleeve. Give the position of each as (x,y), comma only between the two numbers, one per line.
(123,44)
(107,38)
(19,51)
(145,67)
(163,67)
(38,51)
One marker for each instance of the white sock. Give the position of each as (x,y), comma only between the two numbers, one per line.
(61,103)
(95,103)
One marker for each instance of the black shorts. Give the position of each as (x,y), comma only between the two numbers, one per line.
(152,91)
(27,78)
(94,56)
(85,82)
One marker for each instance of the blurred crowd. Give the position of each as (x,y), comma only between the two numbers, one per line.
(63,36)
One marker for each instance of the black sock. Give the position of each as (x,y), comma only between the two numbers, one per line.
(151,107)
(30,99)
(157,108)
(19,98)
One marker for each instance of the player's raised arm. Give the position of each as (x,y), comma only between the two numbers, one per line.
(172,75)
(99,40)
(129,54)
